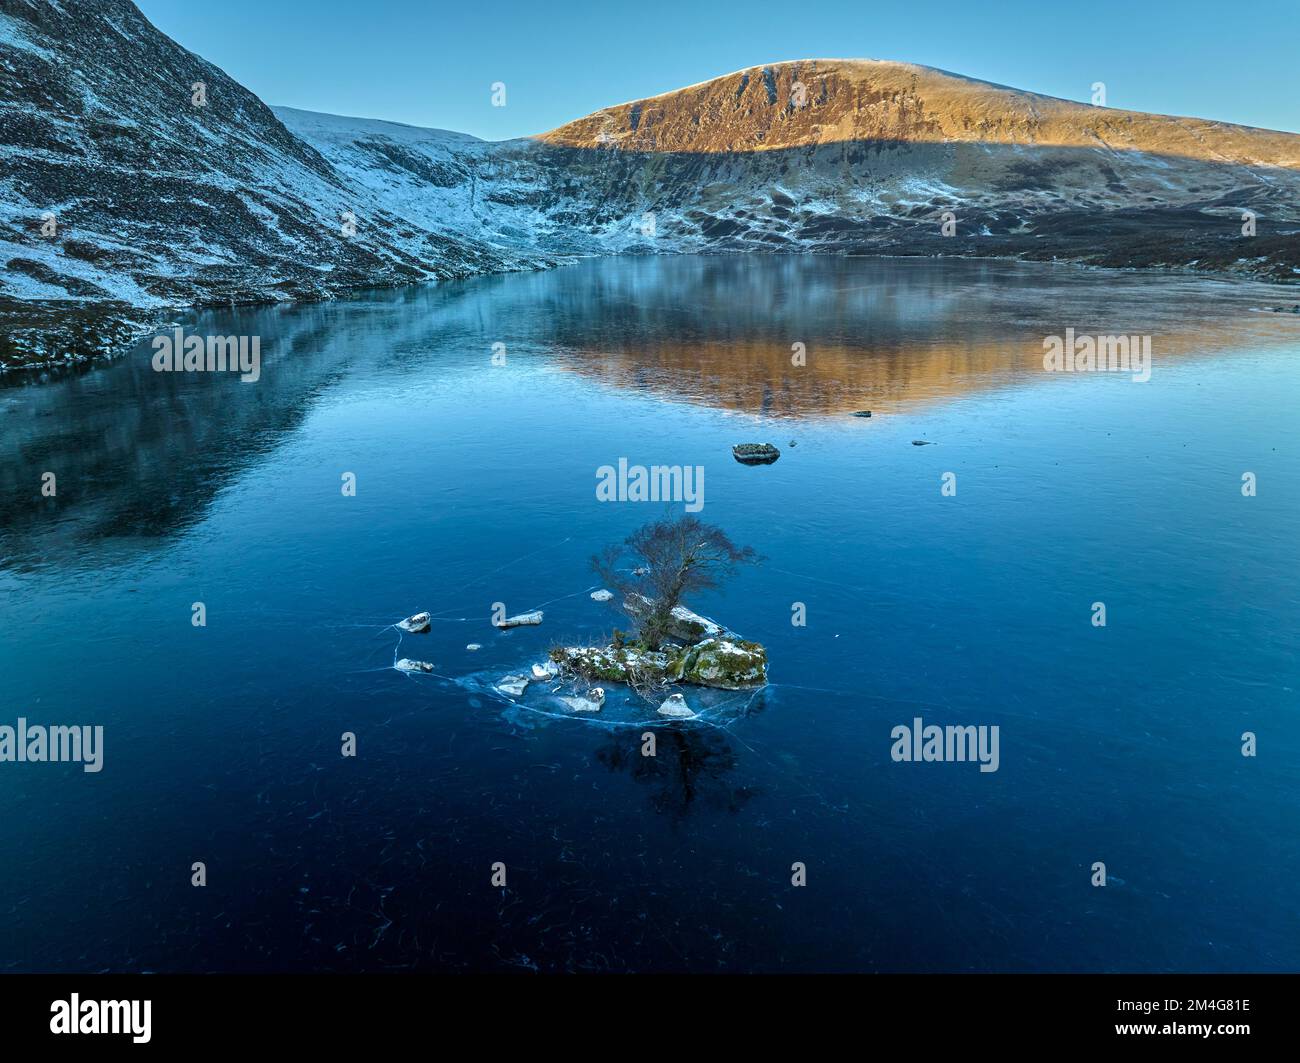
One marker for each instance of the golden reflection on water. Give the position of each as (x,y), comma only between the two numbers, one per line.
(890,367)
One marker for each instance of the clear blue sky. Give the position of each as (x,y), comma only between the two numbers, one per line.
(432,62)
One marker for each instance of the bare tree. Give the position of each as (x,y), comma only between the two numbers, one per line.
(662,562)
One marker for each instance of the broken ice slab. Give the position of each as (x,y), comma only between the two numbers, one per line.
(514,685)
(522,620)
(675,705)
(589,702)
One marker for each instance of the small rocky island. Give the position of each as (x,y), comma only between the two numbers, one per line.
(755,453)
(650,573)
(696,651)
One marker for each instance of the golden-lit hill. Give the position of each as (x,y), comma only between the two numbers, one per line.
(825,101)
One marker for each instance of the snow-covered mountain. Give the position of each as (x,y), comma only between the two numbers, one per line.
(854,156)
(136,177)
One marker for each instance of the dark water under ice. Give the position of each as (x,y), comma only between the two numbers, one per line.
(475,485)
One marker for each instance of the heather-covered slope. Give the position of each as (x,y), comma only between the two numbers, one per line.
(825,101)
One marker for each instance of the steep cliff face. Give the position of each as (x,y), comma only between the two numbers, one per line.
(135,177)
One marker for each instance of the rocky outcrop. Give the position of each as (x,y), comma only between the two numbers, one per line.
(617,664)
(721,663)
(755,453)
(727,664)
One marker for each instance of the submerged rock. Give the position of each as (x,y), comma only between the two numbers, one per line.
(590,702)
(675,705)
(522,620)
(514,685)
(922,443)
(755,453)
(602,595)
(862,413)
(408,665)
(417,624)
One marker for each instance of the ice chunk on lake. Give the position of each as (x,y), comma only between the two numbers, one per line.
(590,702)
(522,620)
(514,685)
(675,705)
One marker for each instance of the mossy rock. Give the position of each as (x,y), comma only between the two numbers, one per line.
(612,664)
(729,664)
